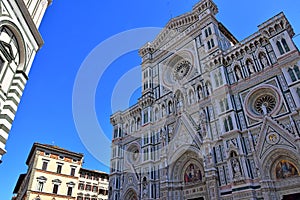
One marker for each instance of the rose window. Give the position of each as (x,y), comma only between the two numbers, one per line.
(265,104)
(263,100)
(133,154)
(181,69)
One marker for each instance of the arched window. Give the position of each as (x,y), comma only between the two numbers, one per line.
(206,34)
(225,122)
(212,43)
(131,126)
(191,97)
(281,51)
(10,43)
(285,45)
(156,114)
(170,107)
(292,75)
(228,125)
(126,129)
(163,110)
(221,106)
(217,80)
(208,88)
(209,31)
(208,45)
(297,71)
(220,78)
(138,123)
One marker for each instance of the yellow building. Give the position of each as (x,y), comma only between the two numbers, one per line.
(55,173)
(52,173)
(93,185)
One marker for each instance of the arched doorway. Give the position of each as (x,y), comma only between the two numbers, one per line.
(188,177)
(130,195)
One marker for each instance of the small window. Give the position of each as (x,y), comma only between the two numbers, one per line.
(88,187)
(81,186)
(45,164)
(79,198)
(90,176)
(69,193)
(58,169)
(95,188)
(40,186)
(55,189)
(72,171)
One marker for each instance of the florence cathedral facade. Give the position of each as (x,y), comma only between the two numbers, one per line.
(218,118)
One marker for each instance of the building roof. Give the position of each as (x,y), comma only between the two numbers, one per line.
(51,148)
(19,182)
(93,171)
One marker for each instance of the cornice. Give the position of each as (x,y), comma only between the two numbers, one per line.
(29,21)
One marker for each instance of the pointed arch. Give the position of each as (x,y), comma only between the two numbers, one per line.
(279,46)
(285,45)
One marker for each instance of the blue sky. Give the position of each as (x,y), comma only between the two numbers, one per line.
(71,30)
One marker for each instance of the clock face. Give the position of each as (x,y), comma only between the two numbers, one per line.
(181,70)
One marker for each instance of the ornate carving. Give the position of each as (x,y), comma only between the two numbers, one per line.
(181,70)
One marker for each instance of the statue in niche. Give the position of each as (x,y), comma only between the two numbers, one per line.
(263,60)
(238,73)
(285,169)
(144,187)
(163,136)
(250,66)
(170,132)
(236,168)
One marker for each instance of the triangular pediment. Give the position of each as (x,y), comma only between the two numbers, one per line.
(273,136)
(184,137)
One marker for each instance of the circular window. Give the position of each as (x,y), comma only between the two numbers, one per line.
(181,69)
(265,104)
(133,154)
(262,101)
